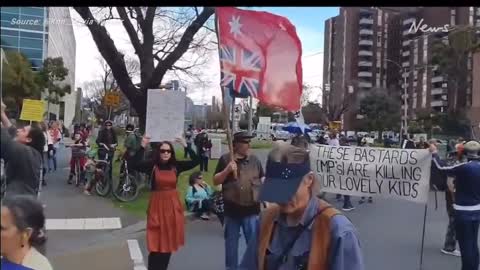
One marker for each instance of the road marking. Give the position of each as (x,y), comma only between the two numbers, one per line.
(136,255)
(83,224)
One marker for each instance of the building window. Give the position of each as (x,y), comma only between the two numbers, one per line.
(379,18)
(34,11)
(9,41)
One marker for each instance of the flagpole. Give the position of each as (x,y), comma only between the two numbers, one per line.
(224,103)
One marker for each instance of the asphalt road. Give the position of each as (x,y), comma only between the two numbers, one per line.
(390,233)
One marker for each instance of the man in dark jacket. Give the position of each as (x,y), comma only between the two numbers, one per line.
(22,157)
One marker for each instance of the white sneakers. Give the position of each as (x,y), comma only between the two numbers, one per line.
(455,252)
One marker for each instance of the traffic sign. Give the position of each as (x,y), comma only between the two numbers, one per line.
(112,99)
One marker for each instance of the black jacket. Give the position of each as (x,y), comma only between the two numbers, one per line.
(22,166)
(104,138)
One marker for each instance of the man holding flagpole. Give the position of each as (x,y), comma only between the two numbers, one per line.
(260,57)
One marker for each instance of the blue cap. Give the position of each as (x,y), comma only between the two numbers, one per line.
(282,181)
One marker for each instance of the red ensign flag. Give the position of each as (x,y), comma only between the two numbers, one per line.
(260,56)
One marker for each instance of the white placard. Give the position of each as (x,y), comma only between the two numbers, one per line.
(216,151)
(165,115)
(367,171)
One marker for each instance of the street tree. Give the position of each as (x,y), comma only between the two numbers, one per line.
(451,55)
(313,113)
(380,111)
(160,38)
(52,79)
(105,82)
(19,81)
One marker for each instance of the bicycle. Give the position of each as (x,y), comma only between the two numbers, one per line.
(127,189)
(103,183)
(76,168)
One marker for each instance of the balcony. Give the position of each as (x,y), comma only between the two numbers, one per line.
(406,42)
(409,21)
(439,103)
(405,64)
(365,53)
(437,79)
(365,64)
(366,21)
(365,84)
(364,74)
(366,32)
(438,91)
(405,53)
(365,42)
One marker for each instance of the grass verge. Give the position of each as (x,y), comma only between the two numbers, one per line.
(139,206)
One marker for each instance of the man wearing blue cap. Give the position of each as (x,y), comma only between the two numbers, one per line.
(300,231)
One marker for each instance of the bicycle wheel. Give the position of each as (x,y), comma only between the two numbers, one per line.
(103,185)
(127,189)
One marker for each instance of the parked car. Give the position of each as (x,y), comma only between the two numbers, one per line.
(279,134)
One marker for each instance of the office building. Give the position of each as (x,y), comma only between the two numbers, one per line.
(369,48)
(474,111)
(38,33)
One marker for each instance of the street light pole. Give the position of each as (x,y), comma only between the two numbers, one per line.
(405,102)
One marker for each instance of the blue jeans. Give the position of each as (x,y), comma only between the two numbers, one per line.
(249,227)
(466,227)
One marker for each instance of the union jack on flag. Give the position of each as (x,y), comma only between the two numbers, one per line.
(260,56)
(241,71)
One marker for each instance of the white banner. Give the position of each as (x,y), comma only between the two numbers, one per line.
(165,115)
(364,171)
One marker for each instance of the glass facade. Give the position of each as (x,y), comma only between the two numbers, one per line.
(23,29)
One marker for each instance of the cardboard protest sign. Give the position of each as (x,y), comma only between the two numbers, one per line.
(165,115)
(32,110)
(364,171)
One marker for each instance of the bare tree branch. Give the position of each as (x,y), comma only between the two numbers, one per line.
(182,47)
(130,31)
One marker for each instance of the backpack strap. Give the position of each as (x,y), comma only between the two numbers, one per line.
(320,249)
(267,225)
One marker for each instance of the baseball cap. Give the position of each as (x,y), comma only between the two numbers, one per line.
(286,167)
(241,135)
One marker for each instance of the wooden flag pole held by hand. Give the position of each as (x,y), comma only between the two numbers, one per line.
(225,107)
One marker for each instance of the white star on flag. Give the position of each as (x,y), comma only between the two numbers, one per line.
(235,26)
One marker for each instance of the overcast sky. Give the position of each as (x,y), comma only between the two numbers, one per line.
(309,23)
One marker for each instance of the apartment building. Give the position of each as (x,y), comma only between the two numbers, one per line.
(428,89)
(358,47)
(369,48)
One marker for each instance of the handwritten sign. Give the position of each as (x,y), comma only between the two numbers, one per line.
(165,115)
(32,110)
(364,171)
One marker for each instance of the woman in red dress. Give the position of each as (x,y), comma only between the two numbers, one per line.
(165,220)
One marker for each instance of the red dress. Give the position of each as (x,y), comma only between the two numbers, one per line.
(165,220)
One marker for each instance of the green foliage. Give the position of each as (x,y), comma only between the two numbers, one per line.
(52,73)
(380,111)
(19,80)
(452,58)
